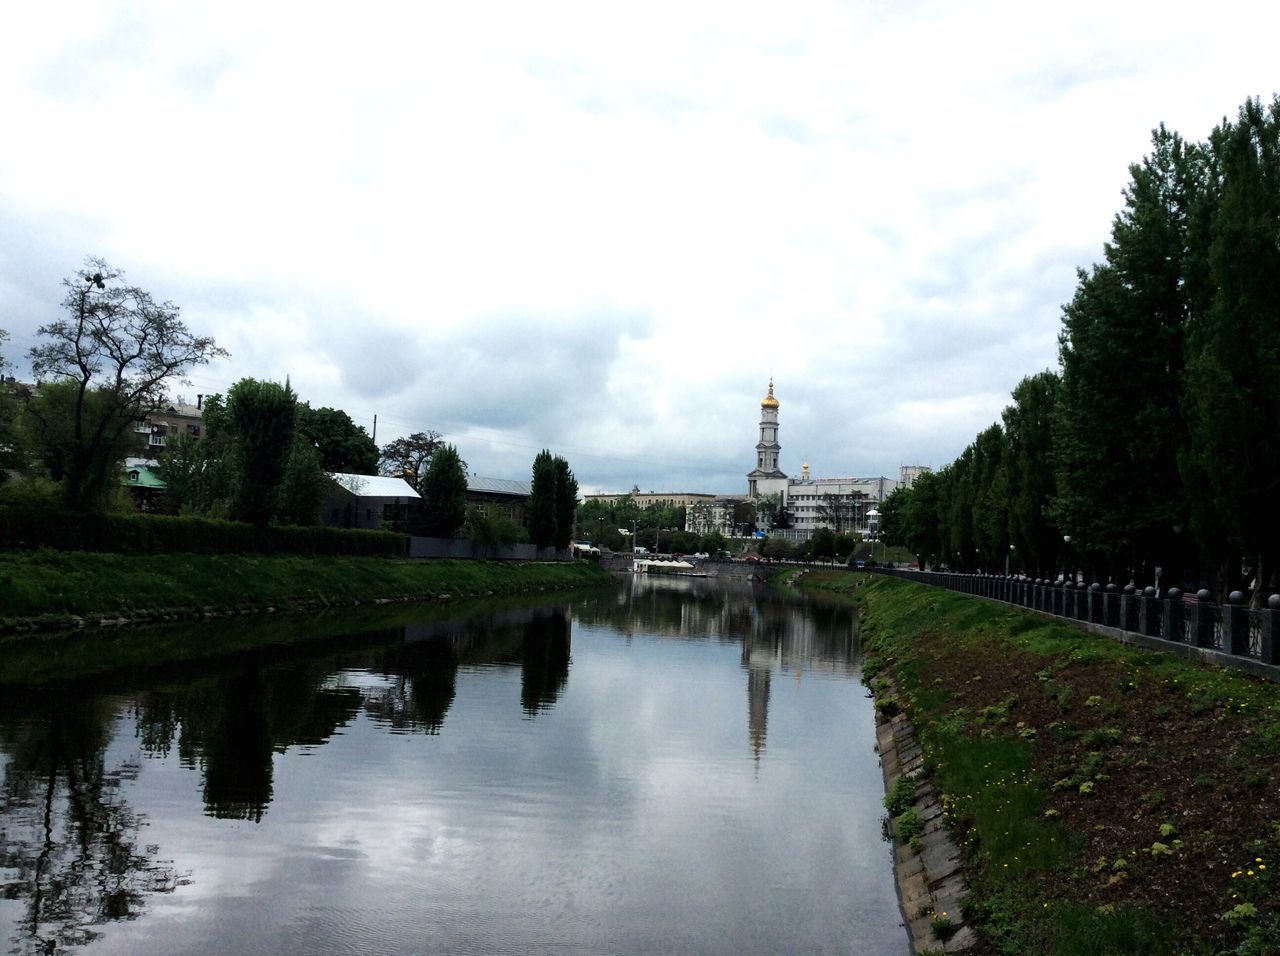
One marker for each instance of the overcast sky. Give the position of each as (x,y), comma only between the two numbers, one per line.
(601,229)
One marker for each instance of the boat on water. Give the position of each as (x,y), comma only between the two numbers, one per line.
(677,568)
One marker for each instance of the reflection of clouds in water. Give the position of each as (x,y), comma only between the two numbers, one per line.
(632,792)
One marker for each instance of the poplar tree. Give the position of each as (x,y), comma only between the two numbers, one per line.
(1233,383)
(261,416)
(541,515)
(444,494)
(566,503)
(1120,426)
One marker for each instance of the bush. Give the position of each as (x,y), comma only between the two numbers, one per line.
(32,523)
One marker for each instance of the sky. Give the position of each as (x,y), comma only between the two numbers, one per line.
(601,228)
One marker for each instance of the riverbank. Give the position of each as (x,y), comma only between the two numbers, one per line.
(51,590)
(1107,799)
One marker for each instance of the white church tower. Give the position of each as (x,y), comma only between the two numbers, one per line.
(766,478)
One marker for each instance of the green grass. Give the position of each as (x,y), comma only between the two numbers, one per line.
(984,762)
(54,586)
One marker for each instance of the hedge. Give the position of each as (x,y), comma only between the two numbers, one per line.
(29,527)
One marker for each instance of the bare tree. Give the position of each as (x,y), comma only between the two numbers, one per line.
(408,457)
(119,342)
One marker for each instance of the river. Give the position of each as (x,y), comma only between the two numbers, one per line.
(672,767)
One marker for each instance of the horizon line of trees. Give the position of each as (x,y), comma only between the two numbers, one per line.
(1153,453)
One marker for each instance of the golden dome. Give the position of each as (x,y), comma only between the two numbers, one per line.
(769,401)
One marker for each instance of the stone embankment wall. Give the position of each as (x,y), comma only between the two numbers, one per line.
(930,880)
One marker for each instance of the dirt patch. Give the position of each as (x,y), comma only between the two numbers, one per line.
(1163,775)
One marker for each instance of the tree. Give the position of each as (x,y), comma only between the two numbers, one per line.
(540,517)
(1028,429)
(302,485)
(822,546)
(261,419)
(566,503)
(47,425)
(838,511)
(1232,462)
(1120,424)
(408,457)
(342,445)
(118,341)
(444,494)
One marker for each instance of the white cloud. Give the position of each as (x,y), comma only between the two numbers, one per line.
(602,230)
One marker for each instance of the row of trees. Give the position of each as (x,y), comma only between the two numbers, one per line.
(621,525)
(264,456)
(1157,444)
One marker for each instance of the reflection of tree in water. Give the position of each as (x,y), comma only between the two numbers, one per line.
(231,724)
(544,666)
(424,676)
(69,844)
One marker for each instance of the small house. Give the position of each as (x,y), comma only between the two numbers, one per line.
(367,501)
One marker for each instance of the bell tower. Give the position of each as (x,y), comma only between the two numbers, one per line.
(767,450)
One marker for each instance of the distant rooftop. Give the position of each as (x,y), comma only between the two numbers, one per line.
(498,486)
(375,486)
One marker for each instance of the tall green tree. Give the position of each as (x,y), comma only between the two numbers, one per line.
(444,494)
(302,485)
(119,348)
(1232,462)
(1028,429)
(540,517)
(1120,424)
(566,504)
(261,417)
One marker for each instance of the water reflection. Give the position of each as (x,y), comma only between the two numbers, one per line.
(779,632)
(386,779)
(70,851)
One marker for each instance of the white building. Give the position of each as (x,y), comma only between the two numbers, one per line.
(812,503)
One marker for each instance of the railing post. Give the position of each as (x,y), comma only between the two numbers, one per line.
(1129,609)
(1171,626)
(1271,631)
(1111,606)
(1150,612)
(1235,625)
(1202,619)
(1069,599)
(1095,603)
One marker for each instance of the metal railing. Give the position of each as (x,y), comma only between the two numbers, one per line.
(1234,629)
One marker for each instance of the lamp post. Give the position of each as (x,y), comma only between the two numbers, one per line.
(873,526)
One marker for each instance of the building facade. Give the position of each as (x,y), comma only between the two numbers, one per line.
(840,504)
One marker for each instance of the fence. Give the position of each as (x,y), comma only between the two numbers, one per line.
(1232,634)
(420,547)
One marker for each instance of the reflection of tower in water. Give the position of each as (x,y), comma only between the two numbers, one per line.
(757,708)
(760,656)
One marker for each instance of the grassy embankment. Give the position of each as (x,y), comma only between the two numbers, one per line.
(1108,799)
(60,588)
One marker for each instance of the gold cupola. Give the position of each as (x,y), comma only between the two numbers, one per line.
(769,401)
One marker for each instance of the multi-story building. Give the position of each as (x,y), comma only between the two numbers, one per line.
(165,424)
(665,499)
(811,503)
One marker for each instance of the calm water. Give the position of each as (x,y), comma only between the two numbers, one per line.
(671,768)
